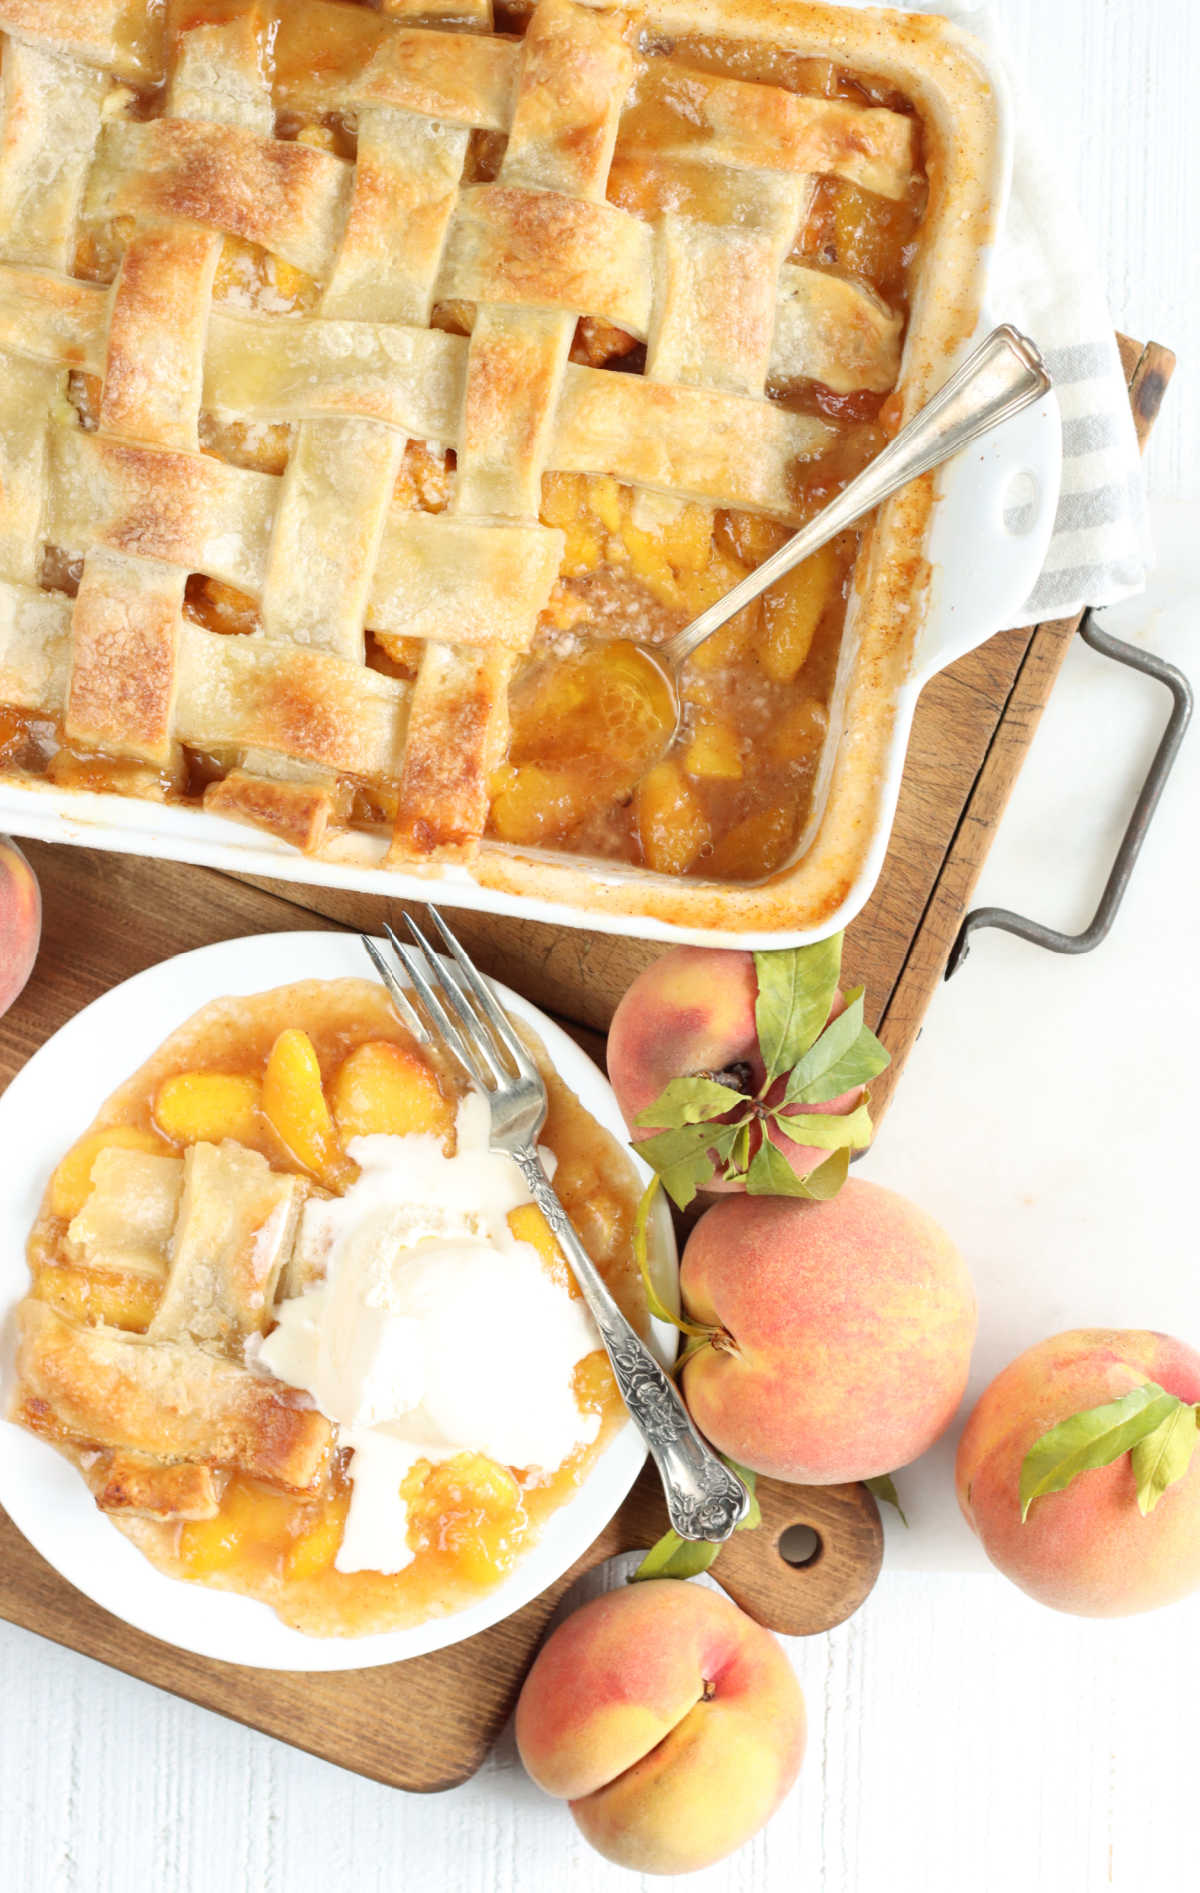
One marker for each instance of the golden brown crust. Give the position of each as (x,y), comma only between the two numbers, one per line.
(368,61)
(312,706)
(123,658)
(286,197)
(154,368)
(155,504)
(723,448)
(126,1224)
(762,127)
(137,1487)
(149,192)
(166,1400)
(109,34)
(456,738)
(547,250)
(233,1234)
(297,812)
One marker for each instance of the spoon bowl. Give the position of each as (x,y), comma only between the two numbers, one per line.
(632,689)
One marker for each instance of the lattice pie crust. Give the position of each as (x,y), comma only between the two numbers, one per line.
(145,493)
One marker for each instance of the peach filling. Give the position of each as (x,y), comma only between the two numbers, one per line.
(300,1100)
(590,763)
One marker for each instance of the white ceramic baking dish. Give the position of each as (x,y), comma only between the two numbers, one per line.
(936,580)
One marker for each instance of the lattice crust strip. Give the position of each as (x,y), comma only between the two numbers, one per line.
(325,549)
(164,1417)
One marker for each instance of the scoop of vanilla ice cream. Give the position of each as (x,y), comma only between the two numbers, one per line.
(435,1331)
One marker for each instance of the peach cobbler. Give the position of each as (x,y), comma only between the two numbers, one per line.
(371,370)
(303,1333)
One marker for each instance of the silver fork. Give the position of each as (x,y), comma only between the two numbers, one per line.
(704,1498)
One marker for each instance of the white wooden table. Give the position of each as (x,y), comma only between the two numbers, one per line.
(962,1741)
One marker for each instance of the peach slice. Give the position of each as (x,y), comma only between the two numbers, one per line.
(533,804)
(314,1550)
(716,751)
(755,846)
(529,1225)
(250,1515)
(593,1382)
(470,1507)
(791,612)
(799,731)
(671,822)
(116,1301)
(294,1103)
(203,1107)
(388,1089)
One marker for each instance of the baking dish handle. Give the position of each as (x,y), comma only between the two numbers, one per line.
(991,531)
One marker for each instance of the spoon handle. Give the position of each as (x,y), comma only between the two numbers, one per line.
(1004,375)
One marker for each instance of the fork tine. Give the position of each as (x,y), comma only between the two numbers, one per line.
(399,998)
(472,1025)
(485,999)
(414,965)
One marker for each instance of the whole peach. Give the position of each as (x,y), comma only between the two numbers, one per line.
(671,1722)
(843,1332)
(1087,1549)
(691,1012)
(20,921)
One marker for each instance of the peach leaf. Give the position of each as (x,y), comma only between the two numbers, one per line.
(688,1157)
(830,1130)
(1163,1457)
(692,1100)
(676,1557)
(796,991)
(883,1489)
(770,1174)
(845,1055)
(1093,1438)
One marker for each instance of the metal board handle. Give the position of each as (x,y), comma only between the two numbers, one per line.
(1035,931)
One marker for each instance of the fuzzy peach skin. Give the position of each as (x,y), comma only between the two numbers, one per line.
(845,1332)
(671,1722)
(692,1011)
(20,921)
(1087,1549)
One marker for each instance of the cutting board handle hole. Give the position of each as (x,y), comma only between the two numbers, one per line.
(800,1546)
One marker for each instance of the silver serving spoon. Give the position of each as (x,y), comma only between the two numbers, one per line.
(1004,375)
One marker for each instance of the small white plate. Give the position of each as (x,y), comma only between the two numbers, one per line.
(50,1103)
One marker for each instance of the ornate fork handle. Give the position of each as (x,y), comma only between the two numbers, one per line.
(704,1499)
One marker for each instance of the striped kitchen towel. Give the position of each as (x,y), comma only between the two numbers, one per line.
(1044,278)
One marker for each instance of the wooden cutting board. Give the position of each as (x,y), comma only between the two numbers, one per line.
(427,1724)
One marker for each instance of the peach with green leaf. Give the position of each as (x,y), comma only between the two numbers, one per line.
(829,1341)
(745,1072)
(20,922)
(1079,1474)
(669,1720)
